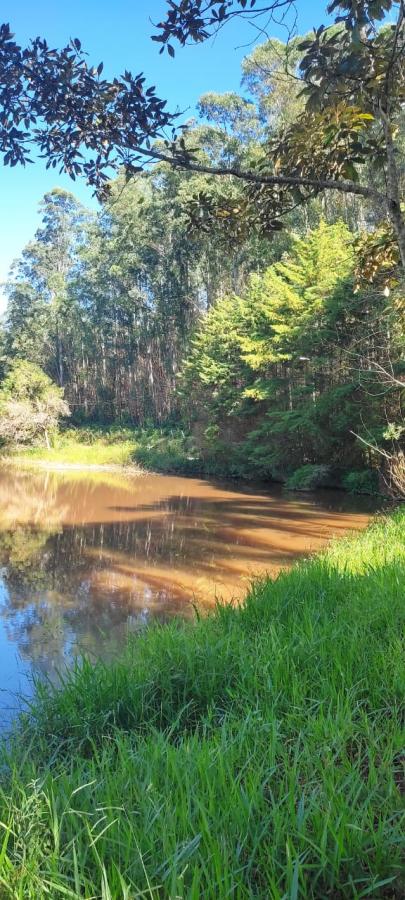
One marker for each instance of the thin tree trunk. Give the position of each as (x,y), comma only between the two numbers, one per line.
(393,200)
(60,359)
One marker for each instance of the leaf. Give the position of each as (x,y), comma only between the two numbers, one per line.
(350,171)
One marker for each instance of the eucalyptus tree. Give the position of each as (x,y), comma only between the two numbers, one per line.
(271,75)
(106,304)
(39,309)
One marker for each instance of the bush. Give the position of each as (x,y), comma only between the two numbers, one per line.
(31,405)
(166,450)
(365,482)
(309,477)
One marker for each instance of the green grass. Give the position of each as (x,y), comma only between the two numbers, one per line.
(85,447)
(160,450)
(254,754)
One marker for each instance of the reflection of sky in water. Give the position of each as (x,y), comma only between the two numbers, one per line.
(45,636)
(85,563)
(14,671)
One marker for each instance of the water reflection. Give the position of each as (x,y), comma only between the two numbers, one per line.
(86,558)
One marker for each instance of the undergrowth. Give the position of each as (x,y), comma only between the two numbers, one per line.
(171,449)
(157,449)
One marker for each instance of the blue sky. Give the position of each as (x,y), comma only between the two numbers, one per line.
(118,33)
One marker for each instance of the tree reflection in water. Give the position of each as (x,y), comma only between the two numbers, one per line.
(65,591)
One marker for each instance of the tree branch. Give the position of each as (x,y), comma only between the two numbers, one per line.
(344,185)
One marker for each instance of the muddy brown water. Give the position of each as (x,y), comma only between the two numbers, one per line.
(86,558)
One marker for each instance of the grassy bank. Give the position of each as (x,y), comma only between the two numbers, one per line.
(160,450)
(173,450)
(84,446)
(256,753)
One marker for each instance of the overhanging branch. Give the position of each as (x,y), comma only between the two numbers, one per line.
(344,185)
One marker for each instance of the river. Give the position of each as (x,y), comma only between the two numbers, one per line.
(88,557)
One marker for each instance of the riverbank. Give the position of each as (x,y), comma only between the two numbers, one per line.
(159,450)
(254,753)
(171,450)
(79,448)
(48,465)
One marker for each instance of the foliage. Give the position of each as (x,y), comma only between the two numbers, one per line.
(326,139)
(105,304)
(282,376)
(195,20)
(353,84)
(30,405)
(279,376)
(38,314)
(233,114)
(166,772)
(292,332)
(353,88)
(166,449)
(271,75)
(54,99)
(377,258)
(365,482)
(309,477)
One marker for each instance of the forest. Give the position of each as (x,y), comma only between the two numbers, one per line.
(275,347)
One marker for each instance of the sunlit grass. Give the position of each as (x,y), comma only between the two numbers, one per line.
(256,753)
(153,448)
(70,449)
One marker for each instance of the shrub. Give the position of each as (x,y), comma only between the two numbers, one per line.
(363,482)
(31,405)
(166,450)
(309,477)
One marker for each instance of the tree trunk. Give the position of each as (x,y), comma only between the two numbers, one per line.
(393,199)
(60,359)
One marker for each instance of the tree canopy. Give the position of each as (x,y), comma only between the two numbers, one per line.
(351,76)
(286,373)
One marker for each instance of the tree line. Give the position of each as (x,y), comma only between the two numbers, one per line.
(183,299)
